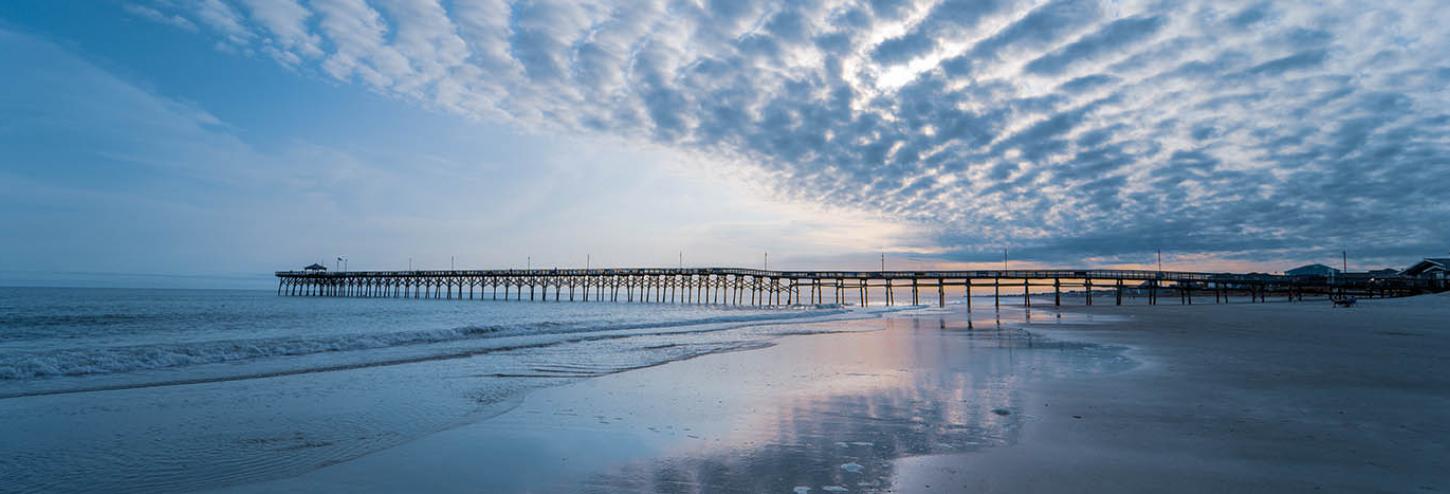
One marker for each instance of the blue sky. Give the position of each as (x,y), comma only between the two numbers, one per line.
(171,143)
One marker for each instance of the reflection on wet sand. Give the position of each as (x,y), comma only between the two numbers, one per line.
(931,388)
(813,413)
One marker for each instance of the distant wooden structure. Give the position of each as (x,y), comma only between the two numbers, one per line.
(1434,271)
(754,287)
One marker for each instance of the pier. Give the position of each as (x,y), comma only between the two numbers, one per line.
(754,287)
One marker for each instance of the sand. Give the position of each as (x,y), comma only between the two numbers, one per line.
(1207,398)
(1244,398)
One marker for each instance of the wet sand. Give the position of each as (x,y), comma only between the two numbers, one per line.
(1206,398)
(1244,398)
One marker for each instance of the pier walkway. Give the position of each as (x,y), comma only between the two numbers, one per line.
(737,286)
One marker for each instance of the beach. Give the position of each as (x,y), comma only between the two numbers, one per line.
(122,390)
(1241,397)
(1247,398)
(1274,397)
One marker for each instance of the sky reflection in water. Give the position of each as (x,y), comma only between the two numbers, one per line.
(936,392)
(812,412)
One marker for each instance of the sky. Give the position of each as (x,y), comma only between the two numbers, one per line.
(210,142)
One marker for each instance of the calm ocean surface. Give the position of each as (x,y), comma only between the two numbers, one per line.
(174,390)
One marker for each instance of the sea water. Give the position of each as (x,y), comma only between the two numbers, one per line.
(120,390)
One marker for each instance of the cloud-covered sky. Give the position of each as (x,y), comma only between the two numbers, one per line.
(1068,131)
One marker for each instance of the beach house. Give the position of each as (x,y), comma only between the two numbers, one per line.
(1434,270)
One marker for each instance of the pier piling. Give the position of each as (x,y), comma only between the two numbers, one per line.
(733,286)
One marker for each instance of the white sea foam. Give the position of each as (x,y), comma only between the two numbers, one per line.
(127,358)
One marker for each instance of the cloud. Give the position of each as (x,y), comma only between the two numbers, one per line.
(221,17)
(1063,128)
(153,15)
(287,21)
(107,175)
(1115,36)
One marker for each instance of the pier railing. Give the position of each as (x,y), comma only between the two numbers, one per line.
(758,287)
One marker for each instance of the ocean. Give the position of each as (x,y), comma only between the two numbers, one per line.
(120,390)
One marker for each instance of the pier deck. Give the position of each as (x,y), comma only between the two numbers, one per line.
(755,287)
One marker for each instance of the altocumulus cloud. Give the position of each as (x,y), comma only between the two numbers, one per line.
(1061,128)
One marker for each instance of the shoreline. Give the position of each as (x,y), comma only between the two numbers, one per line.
(845,403)
(498,344)
(925,405)
(217,432)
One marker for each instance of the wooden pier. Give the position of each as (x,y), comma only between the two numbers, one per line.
(753,287)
